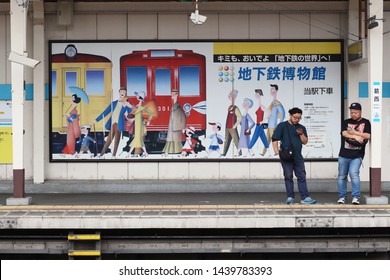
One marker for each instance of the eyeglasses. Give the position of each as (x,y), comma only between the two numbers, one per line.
(296,118)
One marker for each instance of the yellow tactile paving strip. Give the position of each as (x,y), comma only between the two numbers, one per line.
(194,207)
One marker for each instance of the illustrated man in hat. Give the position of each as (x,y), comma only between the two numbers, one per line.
(116,122)
(177,122)
(355,132)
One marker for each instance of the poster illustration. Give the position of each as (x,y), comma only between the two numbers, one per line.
(193,100)
(5,132)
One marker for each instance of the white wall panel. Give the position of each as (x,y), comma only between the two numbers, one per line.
(365,169)
(294,26)
(344,27)
(234,26)
(208,30)
(322,170)
(82,171)
(10,172)
(264,170)
(8,48)
(3,172)
(84,27)
(28,72)
(234,170)
(3,49)
(264,26)
(325,26)
(386,141)
(204,170)
(112,26)
(144,170)
(117,170)
(173,170)
(142,27)
(56,171)
(28,139)
(52,30)
(172,26)
(307,169)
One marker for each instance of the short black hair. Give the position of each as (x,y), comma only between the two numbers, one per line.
(259,91)
(275,86)
(76,98)
(295,110)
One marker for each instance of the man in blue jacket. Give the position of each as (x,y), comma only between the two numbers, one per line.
(116,123)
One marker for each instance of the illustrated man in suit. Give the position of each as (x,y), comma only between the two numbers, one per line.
(116,123)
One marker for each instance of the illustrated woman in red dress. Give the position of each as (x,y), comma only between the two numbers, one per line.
(73,131)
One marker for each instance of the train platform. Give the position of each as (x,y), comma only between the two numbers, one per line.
(184,204)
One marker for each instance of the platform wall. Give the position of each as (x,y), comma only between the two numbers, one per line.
(169,22)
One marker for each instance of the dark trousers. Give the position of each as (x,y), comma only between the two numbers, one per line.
(297,167)
(114,133)
(230,133)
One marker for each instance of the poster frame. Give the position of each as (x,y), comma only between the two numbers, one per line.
(188,159)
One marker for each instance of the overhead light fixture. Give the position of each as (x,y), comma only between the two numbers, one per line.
(23,59)
(196,17)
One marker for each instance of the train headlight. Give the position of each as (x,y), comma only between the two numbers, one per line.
(70,51)
(187,108)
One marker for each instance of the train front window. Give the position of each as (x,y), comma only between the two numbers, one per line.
(71,81)
(53,83)
(163,81)
(94,82)
(136,79)
(162,53)
(189,80)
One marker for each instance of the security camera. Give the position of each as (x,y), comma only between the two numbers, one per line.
(197,18)
(23,59)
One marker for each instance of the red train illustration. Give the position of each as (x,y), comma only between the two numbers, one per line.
(157,72)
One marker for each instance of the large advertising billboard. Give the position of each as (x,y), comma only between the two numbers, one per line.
(192,100)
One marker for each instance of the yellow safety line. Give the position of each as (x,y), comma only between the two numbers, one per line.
(325,206)
(84,237)
(84,253)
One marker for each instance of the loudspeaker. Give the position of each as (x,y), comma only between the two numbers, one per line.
(65,12)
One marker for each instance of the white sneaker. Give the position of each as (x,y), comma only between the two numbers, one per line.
(355,201)
(341,200)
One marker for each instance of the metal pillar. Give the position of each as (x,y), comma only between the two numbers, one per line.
(375,68)
(18,45)
(39,94)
